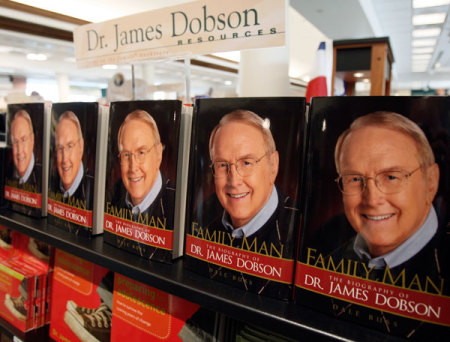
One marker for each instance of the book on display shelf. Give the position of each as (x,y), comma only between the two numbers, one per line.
(81,300)
(243,205)
(144,178)
(77,167)
(375,241)
(26,159)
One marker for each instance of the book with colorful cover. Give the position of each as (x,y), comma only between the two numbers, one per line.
(77,167)
(17,295)
(26,162)
(375,243)
(81,300)
(144,313)
(141,178)
(243,196)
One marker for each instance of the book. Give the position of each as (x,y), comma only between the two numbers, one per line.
(243,195)
(144,313)
(142,180)
(374,244)
(26,173)
(81,300)
(77,167)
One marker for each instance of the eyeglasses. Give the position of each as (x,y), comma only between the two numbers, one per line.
(68,148)
(245,167)
(22,140)
(388,182)
(139,155)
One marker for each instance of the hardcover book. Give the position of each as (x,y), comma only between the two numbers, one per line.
(77,167)
(26,172)
(245,167)
(375,243)
(81,300)
(141,178)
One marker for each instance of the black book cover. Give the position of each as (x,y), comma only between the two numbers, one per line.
(73,163)
(26,162)
(141,176)
(243,223)
(378,252)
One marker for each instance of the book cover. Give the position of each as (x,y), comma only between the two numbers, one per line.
(375,242)
(74,187)
(17,295)
(26,173)
(81,300)
(144,313)
(141,176)
(245,167)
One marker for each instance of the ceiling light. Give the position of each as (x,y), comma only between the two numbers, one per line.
(423,50)
(109,67)
(424,42)
(419,68)
(429,3)
(431,32)
(421,57)
(36,57)
(358,74)
(428,19)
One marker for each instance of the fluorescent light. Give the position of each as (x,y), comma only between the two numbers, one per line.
(431,32)
(424,42)
(358,74)
(421,57)
(428,19)
(36,57)
(429,3)
(110,67)
(423,50)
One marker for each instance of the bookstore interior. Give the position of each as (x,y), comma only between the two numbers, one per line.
(126,214)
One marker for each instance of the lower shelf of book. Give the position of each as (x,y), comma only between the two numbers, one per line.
(282,317)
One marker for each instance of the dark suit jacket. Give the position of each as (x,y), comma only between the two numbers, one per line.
(84,192)
(163,207)
(280,229)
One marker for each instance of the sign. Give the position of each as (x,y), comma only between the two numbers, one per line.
(194,28)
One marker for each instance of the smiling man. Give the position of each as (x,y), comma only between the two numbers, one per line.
(140,155)
(22,140)
(388,178)
(245,166)
(69,145)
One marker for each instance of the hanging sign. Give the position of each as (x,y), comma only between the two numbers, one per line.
(193,28)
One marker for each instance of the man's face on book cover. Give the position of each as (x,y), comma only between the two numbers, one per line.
(69,151)
(22,138)
(386,220)
(243,196)
(140,159)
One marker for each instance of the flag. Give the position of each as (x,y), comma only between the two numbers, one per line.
(317,86)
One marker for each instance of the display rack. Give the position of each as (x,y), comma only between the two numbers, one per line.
(282,317)
(40,334)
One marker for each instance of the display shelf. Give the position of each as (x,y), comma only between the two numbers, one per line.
(282,317)
(40,334)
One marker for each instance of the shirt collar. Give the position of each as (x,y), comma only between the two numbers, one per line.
(257,221)
(27,174)
(149,198)
(75,184)
(406,250)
